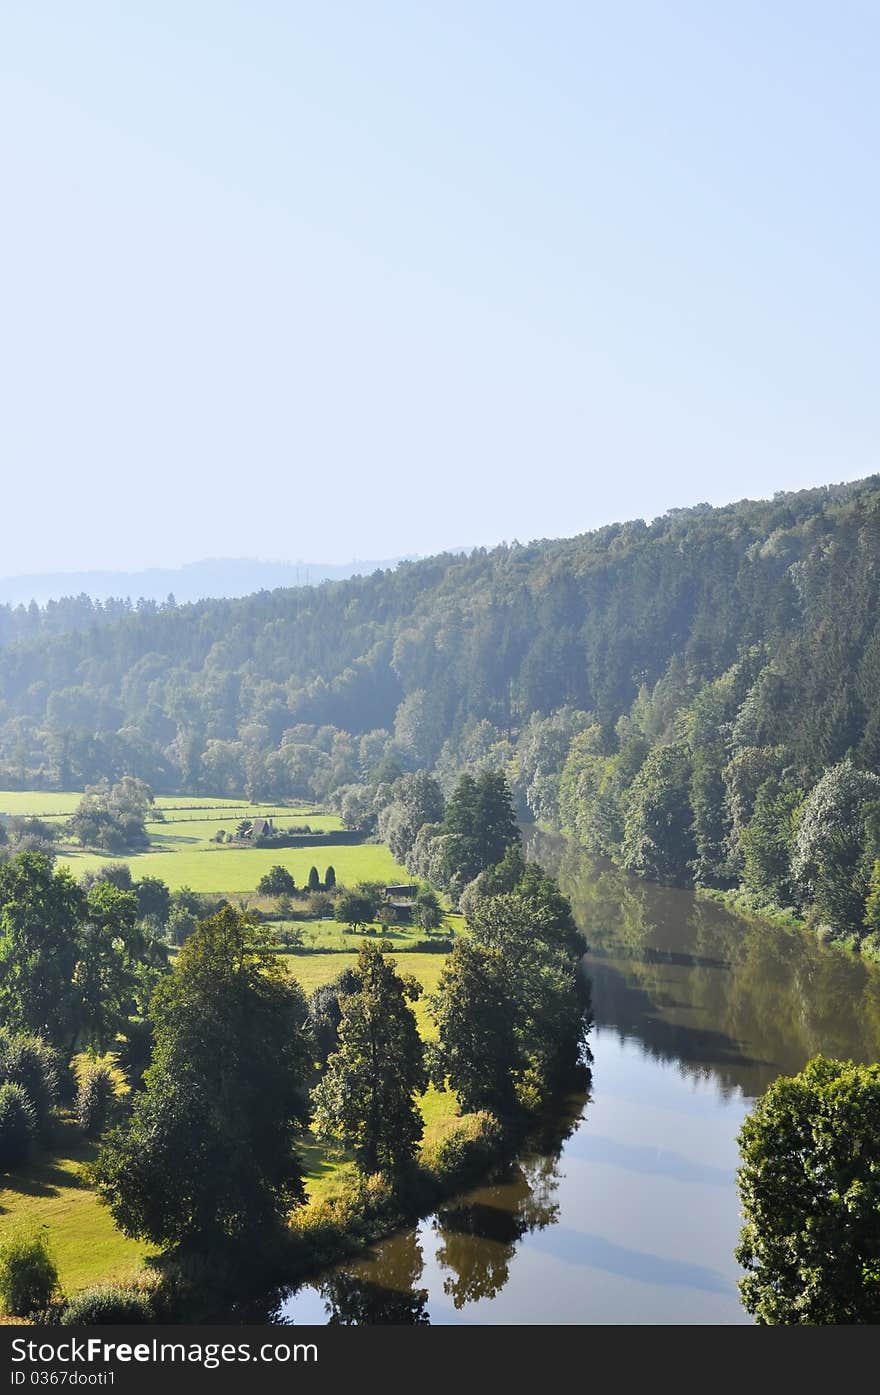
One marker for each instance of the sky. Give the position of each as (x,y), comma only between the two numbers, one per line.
(347,280)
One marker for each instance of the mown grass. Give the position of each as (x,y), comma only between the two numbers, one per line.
(330,935)
(65,801)
(53,1192)
(312,970)
(182,828)
(235,871)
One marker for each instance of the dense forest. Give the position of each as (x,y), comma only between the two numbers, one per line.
(697,698)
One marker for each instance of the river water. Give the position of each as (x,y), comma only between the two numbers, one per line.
(626,1211)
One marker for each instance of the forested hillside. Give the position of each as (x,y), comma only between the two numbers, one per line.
(698,698)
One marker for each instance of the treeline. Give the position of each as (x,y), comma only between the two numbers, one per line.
(70,613)
(673,694)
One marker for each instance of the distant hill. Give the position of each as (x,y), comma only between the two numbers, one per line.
(223,577)
(697,697)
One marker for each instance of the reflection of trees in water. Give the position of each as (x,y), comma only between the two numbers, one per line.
(352,1300)
(737,1000)
(478,1235)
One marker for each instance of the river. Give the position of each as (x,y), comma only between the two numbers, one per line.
(626,1211)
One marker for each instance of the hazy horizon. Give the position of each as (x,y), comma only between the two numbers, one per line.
(237,576)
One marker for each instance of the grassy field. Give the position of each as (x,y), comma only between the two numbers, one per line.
(53,1193)
(183,851)
(237,870)
(312,970)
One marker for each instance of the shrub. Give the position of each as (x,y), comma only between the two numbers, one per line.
(18,1124)
(181,924)
(278,881)
(95,1097)
(320,905)
(106,1304)
(30,1062)
(28,1276)
(465,1150)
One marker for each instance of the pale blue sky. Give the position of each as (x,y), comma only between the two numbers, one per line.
(352,279)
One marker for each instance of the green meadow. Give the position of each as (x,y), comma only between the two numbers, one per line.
(183,850)
(238,870)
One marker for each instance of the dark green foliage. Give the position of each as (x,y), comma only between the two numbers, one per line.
(111,947)
(208,1156)
(330,878)
(276,882)
(366,1100)
(658,839)
(18,1125)
(28,1276)
(768,844)
(30,1062)
(95,1097)
(810,1197)
(134,1050)
(480,825)
(510,1005)
(71,962)
(476,1015)
(112,817)
(355,908)
(872,903)
(314,881)
(428,912)
(40,916)
(107,1305)
(325,1012)
(153,900)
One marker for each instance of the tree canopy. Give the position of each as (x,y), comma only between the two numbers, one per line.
(810,1194)
(208,1156)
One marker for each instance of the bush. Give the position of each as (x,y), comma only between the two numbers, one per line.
(30,1062)
(106,1304)
(465,1150)
(278,881)
(181,924)
(18,1124)
(95,1097)
(320,905)
(364,1209)
(28,1276)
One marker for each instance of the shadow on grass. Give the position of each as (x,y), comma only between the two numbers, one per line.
(48,1175)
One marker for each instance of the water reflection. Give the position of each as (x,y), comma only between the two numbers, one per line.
(478,1236)
(625,1210)
(352,1299)
(741,1000)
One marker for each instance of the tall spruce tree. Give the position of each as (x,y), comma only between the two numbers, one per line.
(366,1101)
